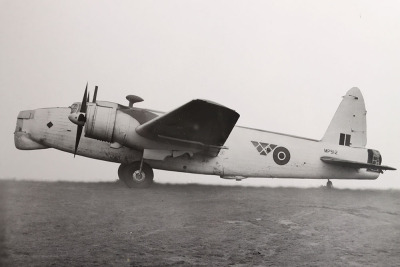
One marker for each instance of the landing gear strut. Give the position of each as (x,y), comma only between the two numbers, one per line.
(136,175)
(329,184)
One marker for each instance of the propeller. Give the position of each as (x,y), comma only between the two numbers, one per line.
(95,94)
(79,117)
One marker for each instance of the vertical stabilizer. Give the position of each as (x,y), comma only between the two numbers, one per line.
(349,125)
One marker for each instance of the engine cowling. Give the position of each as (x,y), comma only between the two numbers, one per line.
(106,122)
(100,121)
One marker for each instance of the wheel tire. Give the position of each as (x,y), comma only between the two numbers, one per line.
(132,179)
(121,171)
(329,185)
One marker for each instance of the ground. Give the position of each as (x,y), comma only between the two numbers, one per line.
(106,224)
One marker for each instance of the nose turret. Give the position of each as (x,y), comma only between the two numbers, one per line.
(77,117)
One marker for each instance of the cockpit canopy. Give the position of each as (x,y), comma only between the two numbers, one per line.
(75,107)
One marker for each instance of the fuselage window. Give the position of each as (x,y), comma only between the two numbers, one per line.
(344,139)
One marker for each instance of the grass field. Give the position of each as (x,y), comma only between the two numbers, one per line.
(106,224)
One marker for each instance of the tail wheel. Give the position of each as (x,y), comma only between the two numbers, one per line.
(133,177)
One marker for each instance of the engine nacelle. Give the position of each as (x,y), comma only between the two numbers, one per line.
(100,120)
(106,122)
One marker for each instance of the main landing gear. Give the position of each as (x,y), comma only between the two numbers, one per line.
(329,184)
(136,175)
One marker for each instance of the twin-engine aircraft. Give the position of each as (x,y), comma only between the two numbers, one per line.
(201,137)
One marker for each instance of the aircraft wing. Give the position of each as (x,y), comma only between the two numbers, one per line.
(355,164)
(199,124)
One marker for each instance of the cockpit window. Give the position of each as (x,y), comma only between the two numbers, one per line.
(74,108)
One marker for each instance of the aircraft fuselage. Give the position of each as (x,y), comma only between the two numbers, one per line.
(248,153)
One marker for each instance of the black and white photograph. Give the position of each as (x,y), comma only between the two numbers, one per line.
(199,133)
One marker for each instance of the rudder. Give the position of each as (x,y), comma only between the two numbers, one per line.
(349,124)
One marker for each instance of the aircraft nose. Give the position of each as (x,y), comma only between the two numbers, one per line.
(22,136)
(23,116)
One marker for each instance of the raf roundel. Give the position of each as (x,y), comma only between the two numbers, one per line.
(281,155)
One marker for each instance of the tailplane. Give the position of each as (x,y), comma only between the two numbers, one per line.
(349,125)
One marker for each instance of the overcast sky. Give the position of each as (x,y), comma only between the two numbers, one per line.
(283,65)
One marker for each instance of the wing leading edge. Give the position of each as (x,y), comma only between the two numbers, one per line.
(355,164)
(199,124)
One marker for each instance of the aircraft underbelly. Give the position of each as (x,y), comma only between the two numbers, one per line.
(197,164)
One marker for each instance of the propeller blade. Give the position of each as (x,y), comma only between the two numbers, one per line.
(84,100)
(95,94)
(81,118)
(78,138)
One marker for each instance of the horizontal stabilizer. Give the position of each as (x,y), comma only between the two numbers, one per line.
(198,124)
(355,164)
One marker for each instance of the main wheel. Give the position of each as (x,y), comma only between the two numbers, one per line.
(329,184)
(133,177)
(121,170)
